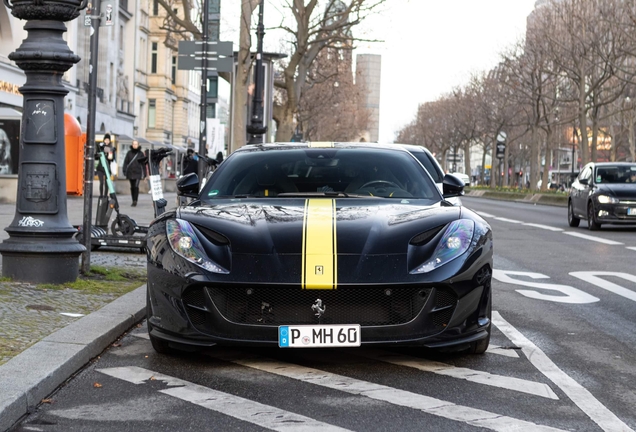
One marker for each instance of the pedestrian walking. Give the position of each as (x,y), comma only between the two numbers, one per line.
(106,148)
(190,164)
(134,170)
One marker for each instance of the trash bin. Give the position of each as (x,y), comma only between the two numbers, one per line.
(74,141)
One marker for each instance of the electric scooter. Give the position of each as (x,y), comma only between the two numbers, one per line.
(124,231)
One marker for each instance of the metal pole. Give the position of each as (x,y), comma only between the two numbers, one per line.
(204,94)
(89,151)
(257,127)
(41,247)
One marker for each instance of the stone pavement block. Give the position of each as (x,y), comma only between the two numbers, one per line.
(32,375)
(35,373)
(103,326)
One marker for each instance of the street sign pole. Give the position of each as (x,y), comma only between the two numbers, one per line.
(203,128)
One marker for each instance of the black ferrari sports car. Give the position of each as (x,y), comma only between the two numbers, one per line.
(305,245)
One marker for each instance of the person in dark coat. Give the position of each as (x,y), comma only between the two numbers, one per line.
(190,164)
(134,170)
(104,147)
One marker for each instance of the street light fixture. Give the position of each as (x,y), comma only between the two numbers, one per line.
(41,247)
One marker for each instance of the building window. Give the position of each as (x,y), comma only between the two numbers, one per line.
(121,37)
(174,69)
(153,57)
(155,8)
(152,113)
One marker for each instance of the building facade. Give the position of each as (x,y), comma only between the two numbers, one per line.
(369,70)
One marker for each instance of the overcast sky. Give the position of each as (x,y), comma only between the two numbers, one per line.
(429,46)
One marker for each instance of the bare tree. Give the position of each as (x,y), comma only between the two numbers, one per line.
(312,31)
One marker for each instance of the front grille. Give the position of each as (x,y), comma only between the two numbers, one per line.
(367,306)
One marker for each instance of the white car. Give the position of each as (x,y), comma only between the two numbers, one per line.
(463,177)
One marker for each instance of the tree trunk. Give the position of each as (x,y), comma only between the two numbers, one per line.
(613,138)
(534,158)
(494,166)
(239,105)
(467,167)
(285,125)
(594,156)
(583,123)
(545,179)
(630,139)
(482,177)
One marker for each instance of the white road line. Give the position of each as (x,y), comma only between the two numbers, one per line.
(592,277)
(264,416)
(545,227)
(426,404)
(508,383)
(484,214)
(495,349)
(514,221)
(579,395)
(592,238)
(631,248)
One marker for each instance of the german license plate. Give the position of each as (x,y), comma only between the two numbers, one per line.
(318,336)
(631,212)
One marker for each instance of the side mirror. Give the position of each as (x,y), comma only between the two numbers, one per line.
(584,181)
(188,186)
(452,186)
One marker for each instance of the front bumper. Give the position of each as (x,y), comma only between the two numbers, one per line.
(205,314)
(615,213)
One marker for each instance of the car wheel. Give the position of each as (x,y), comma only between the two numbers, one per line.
(481,346)
(573,221)
(592,225)
(159,345)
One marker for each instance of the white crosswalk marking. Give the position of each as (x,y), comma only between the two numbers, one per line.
(593,238)
(495,349)
(426,404)
(508,383)
(575,391)
(244,409)
(631,248)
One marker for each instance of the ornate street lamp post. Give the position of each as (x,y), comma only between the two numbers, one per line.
(41,247)
(257,127)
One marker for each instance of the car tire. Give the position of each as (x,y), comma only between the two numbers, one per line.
(159,345)
(592,225)
(573,221)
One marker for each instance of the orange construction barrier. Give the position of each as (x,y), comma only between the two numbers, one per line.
(74,141)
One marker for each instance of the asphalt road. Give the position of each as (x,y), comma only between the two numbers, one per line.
(563,356)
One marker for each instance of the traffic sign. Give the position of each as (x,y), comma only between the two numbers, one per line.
(189,48)
(218,64)
(501,150)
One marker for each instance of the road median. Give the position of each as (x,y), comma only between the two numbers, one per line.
(560,200)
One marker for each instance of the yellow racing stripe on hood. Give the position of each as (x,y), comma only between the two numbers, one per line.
(320,267)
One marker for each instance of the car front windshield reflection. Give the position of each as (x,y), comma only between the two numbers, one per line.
(332,172)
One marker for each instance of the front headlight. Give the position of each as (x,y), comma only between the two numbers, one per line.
(606,199)
(454,243)
(185,242)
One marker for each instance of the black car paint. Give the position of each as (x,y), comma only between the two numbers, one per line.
(259,241)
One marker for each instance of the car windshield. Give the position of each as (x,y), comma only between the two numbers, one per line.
(616,174)
(346,172)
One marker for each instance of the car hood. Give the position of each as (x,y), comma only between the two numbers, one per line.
(618,190)
(279,226)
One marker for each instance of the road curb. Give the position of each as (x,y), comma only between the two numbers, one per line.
(35,373)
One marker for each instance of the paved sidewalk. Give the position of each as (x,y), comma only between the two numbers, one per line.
(35,336)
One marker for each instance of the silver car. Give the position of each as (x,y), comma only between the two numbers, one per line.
(432,166)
